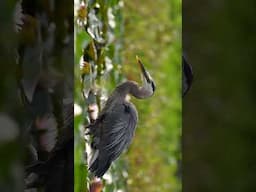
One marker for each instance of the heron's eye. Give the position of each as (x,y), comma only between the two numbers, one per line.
(153,86)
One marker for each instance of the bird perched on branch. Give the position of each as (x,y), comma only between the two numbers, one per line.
(114,128)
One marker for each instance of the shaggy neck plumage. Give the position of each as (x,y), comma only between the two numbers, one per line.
(131,87)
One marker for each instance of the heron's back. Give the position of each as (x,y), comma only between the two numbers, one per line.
(112,133)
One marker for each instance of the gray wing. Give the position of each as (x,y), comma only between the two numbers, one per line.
(113,134)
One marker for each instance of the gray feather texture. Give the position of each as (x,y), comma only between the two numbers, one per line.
(114,135)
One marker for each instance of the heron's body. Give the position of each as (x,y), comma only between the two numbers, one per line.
(112,133)
(114,129)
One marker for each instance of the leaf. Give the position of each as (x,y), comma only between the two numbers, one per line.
(31,68)
(95,27)
(90,52)
(48,128)
(85,68)
(10,131)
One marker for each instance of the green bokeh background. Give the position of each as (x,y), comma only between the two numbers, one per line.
(219,111)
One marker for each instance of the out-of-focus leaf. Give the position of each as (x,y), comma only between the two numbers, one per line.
(10,131)
(81,14)
(32,62)
(18,15)
(32,55)
(90,52)
(29,29)
(95,26)
(48,132)
(85,68)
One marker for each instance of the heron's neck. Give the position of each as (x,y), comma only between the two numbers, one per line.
(131,87)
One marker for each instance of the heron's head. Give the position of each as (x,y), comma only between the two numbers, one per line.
(148,82)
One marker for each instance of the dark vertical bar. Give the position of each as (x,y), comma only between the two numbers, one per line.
(11,112)
(36,102)
(218,111)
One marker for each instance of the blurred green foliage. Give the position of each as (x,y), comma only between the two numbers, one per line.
(219,111)
(151,30)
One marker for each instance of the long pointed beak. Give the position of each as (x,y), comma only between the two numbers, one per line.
(143,70)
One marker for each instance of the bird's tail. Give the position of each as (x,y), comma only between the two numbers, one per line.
(99,167)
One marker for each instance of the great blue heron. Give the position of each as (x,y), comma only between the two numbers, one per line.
(114,128)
